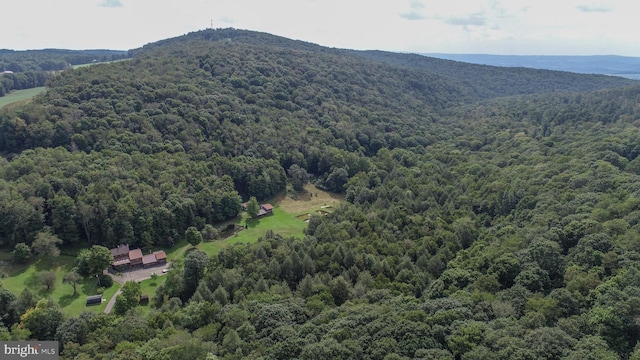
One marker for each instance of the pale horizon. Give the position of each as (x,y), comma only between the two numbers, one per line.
(491,27)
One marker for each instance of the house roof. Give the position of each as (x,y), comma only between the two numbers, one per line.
(160,255)
(121,262)
(149,259)
(267,207)
(122,249)
(135,254)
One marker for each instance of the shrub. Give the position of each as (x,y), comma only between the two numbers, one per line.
(105,281)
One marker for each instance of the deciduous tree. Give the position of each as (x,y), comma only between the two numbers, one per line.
(252,207)
(46,244)
(193,236)
(72,278)
(92,262)
(47,278)
(129,298)
(43,320)
(299,177)
(21,253)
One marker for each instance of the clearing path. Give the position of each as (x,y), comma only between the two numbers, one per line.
(112,302)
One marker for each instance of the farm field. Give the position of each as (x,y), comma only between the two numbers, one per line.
(20,95)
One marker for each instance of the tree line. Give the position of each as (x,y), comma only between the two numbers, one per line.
(473,228)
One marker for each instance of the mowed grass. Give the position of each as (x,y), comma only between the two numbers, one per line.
(20,96)
(280,222)
(20,277)
(286,220)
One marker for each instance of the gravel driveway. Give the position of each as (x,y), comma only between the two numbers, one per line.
(138,274)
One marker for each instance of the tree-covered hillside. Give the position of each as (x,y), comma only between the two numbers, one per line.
(489,214)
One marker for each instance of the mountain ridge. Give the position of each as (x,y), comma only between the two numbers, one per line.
(585,64)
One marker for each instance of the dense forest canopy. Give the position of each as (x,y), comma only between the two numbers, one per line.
(490,213)
(32,68)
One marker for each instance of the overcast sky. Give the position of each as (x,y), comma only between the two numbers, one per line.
(521,27)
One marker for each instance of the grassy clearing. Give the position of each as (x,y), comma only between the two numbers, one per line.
(287,220)
(280,222)
(78,66)
(148,288)
(20,277)
(20,96)
(310,200)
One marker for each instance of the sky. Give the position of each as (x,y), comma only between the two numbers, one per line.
(507,27)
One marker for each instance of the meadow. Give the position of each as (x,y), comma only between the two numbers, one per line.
(18,277)
(20,96)
(287,220)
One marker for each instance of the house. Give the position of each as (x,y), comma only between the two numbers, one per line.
(121,256)
(265,209)
(135,257)
(161,257)
(124,258)
(149,260)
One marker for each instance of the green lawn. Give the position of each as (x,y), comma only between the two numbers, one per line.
(280,222)
(19,95)
(148,288)
(20,277)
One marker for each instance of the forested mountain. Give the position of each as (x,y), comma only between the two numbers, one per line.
(494,81)
(491,213)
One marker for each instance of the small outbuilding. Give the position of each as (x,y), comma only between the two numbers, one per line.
(144,299)
(94,300)
(265,209)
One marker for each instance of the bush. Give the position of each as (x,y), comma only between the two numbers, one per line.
(105,281)
(21,253)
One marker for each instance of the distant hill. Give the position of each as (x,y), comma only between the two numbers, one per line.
(624,66)
(489,212)
(54,59)
(484,81)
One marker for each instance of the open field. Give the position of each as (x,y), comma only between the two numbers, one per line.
(20,95)
(20,277)
(280,222)
(287,220)
(78,66)
(309,201)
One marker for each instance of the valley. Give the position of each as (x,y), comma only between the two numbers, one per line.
(449,210)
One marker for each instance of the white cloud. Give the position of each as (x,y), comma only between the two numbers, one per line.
(111,3)
(594,8)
